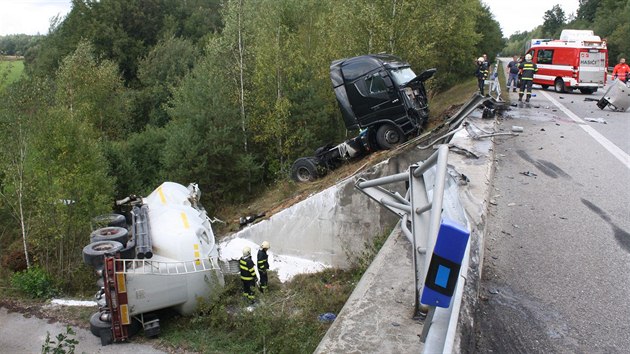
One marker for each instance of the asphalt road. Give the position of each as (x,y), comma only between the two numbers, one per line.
(20,334)
(556,275)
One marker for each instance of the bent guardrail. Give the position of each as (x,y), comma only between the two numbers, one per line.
(421,220)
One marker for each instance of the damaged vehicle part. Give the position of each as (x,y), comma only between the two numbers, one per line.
(379,95)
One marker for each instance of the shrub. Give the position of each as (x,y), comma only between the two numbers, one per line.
(34,282)
(64,343)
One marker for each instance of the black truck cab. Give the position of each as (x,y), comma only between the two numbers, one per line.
(381,93)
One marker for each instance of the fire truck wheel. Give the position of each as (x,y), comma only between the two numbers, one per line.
(108,220)
(96,324)
(559,85)
(544,87)
(94,252)
(388,136)
(304,169)
(111,233)
(587,91)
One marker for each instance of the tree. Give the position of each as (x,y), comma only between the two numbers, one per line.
(554,20)
(491,37)
(204,137)
(159,73)
(587,10)
(93,91)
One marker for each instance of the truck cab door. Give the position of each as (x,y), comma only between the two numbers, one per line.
(377,98)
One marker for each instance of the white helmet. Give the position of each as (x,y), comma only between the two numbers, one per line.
(265,245)
(528,57)
(246,251)
(480,59)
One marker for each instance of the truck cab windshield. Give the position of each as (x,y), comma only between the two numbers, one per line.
(402,75)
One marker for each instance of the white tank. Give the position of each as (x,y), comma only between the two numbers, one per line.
(179,231)
(185,262)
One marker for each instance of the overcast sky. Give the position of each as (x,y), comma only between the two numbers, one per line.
(33,16)
(524,15)
(30,16)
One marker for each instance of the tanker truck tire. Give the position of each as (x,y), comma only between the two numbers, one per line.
(97,325)
(93,254)
(110,233)
(106,220)
(129,252)
(304,169)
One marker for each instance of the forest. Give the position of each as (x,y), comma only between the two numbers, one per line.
(607,18)
(122,95)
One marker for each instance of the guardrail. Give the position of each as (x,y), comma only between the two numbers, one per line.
(421,215)
(412,209)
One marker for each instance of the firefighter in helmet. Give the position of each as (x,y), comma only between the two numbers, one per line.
(481,73)
(527,68)
(248,274)
(262,260)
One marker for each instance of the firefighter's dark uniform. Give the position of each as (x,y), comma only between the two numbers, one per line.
(248,276)
(482,75)
(527,68)
(263,267)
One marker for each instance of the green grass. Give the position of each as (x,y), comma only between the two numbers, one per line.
(286,321)
(10,71)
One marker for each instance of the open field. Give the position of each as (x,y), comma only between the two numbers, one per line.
(10,71)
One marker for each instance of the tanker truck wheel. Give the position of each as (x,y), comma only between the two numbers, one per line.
(388,136)
(93,254)
(106,220)
(111,233)
(304,169)
(129,252)
(97,325)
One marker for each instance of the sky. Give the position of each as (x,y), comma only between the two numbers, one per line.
(30,16)
(33,16)
(520,16)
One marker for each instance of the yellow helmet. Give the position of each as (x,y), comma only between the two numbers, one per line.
(265,245)
(246,251)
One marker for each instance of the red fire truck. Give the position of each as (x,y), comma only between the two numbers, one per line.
(578,60)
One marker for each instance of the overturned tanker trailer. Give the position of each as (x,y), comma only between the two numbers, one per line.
(160,252)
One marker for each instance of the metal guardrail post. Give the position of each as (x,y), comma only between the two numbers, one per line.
(413,209)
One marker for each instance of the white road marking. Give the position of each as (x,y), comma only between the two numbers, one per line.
(607,144)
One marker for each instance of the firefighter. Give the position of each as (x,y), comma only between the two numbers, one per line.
(527,68)
(481,73)
(263,265)
(621,71)
(248,274)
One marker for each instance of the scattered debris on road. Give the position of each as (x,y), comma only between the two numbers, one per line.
(529,174)
(596,120)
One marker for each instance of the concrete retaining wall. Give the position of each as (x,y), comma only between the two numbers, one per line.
(335,224)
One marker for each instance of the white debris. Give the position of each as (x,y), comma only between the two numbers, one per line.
(286,266)
(596,120)
(64,302)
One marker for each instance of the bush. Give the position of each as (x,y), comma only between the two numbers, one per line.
(64,343)
(34,282)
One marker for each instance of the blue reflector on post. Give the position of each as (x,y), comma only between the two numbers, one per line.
(446,261)
(441,278)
